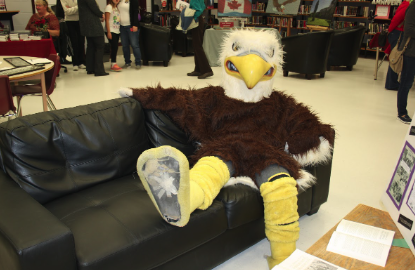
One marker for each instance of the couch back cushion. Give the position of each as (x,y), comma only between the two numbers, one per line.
(51,154)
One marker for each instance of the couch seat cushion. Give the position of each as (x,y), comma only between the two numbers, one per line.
(116,226)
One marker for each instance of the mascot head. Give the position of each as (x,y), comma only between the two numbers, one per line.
(249,60)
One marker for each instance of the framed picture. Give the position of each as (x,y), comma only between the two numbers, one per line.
(321,13)
(382,11)
(283,7)
(17,61)
(234,8)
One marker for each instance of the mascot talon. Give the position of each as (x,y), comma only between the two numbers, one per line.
(245,129)
(175,191)
(164,172)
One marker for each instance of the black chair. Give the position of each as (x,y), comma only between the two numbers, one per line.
(345,47)
(307,53)
(155,44)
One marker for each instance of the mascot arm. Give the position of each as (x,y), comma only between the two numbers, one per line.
(309,141)
(181,105)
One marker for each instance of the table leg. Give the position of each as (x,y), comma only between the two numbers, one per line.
(376,63)
(43,84)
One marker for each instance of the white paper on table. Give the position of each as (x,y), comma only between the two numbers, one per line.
(362,242)
(300,260)
(39,61)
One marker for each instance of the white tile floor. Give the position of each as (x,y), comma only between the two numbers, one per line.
(369,138)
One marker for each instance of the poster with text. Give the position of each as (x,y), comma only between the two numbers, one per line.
(399,196)
(321,13)
(234,8)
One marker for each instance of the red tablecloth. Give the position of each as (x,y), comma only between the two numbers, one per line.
(37,48)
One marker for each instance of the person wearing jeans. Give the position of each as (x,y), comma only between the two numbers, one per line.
(130,31)
(408,69)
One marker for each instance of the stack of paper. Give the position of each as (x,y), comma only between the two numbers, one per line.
(299,260)
(35,37)
(14,37)
(4,37)
(24,36)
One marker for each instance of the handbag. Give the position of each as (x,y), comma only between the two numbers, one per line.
(396,56)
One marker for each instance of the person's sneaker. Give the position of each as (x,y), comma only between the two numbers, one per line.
(127,66)
(405,119)
(75,68)
(82,66)
(116,68)
(137,67)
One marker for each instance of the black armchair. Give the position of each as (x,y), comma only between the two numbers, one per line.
(155,44)
(307,53)
(345,47)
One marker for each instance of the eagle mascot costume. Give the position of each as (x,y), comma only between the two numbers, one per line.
(245,130)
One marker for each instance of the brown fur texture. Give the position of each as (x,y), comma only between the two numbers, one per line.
(250,135)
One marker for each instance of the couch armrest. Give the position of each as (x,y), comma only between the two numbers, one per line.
(30,236)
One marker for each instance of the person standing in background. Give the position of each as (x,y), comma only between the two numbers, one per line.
(130,31)
(90,18)
(112,24)
(202,68)
(395,29)
(70,7)
(408,69)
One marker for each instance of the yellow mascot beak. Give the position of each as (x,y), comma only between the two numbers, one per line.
(250,68)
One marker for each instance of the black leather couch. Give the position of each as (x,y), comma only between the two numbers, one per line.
(307,53)
(155,44)
(345,47)
(70,197)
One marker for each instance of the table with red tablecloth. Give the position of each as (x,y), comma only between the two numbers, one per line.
(36,48)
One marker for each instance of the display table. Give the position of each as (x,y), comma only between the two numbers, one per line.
(212,42)
(399,258)
(37,48)
(7,16)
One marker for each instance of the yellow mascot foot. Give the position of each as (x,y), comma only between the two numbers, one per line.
(164,172)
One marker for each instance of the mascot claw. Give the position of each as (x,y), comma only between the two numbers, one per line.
(125,92)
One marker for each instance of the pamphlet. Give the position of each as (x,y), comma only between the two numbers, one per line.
(362,242)
(299,260)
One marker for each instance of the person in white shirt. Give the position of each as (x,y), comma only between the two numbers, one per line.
(112,24)
(70,7)
(130,31)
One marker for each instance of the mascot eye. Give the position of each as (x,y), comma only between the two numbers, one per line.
(269,72)
(271,53)
(231,66)
(235,47)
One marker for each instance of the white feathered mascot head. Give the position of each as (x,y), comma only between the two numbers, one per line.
(249,60)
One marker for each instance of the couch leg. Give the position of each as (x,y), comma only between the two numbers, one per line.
(322,75)
(285,73)
(165,63)
(145,63)
(349,68)
(308,76)
(313,211)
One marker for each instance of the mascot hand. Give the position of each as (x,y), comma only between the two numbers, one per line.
(125,92)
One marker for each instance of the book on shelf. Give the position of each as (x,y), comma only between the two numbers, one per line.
(300,260)
(363,242)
